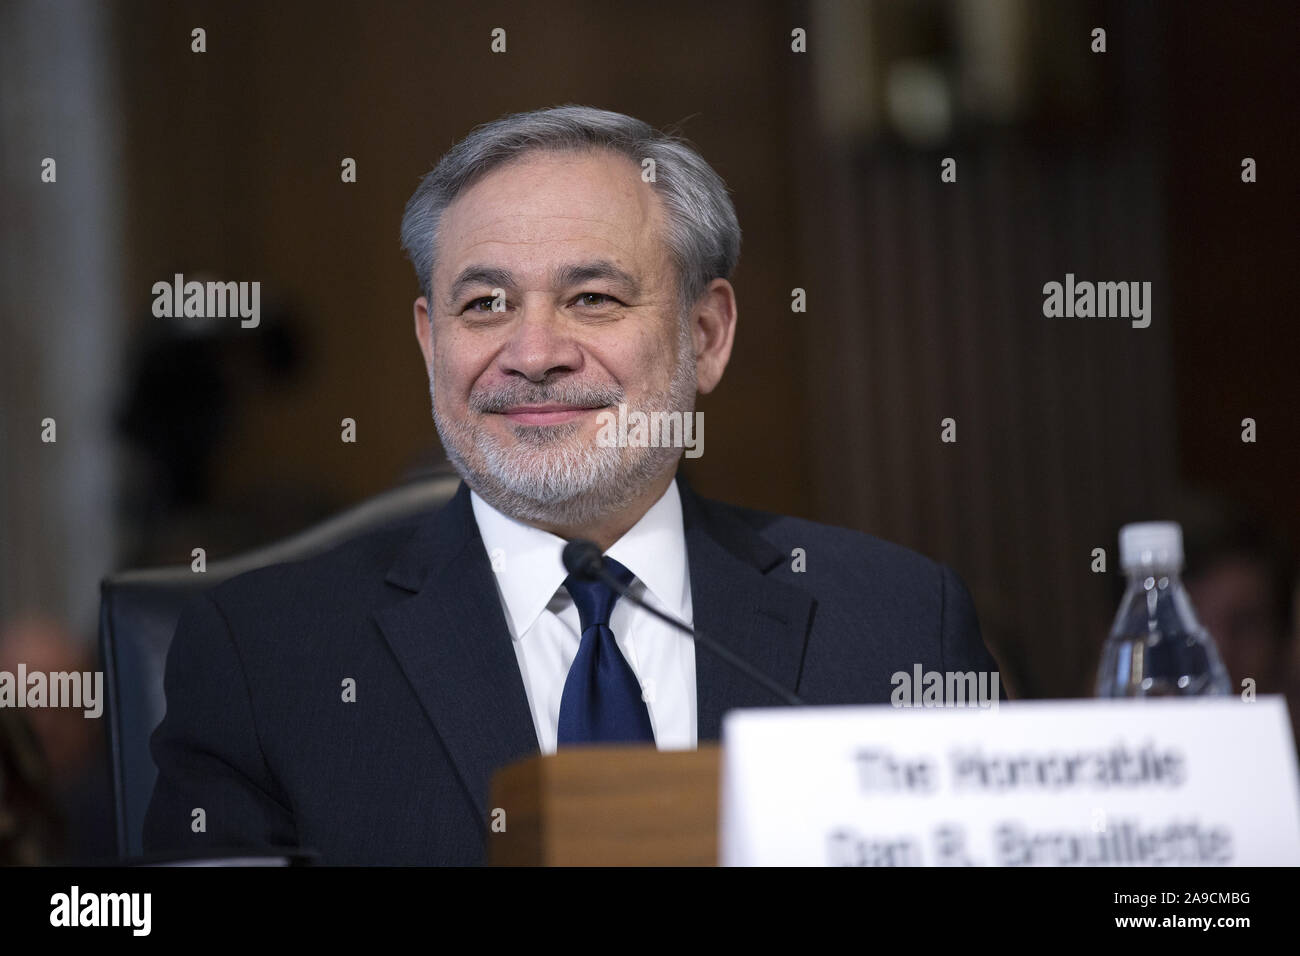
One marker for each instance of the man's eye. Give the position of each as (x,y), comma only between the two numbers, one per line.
(486,303)
(594,299)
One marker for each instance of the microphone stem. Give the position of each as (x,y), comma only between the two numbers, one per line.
(699,637)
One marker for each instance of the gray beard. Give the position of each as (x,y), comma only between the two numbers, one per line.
(543,477)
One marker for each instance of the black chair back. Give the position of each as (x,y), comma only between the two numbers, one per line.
(137,619)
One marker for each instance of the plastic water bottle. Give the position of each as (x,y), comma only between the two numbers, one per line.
(1156,646)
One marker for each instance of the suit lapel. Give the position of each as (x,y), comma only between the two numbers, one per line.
(451,641)
(450,638)
(764,621)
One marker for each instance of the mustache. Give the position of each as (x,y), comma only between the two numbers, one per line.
(561,393)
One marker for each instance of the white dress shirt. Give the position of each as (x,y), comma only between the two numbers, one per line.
(545,629)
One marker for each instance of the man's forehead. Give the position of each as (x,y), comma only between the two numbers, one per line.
(554,207)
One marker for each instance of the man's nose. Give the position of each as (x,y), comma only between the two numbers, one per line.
(540,343)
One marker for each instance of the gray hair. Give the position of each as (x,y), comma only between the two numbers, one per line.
(703,235)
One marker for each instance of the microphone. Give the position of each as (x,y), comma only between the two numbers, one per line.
(583,559)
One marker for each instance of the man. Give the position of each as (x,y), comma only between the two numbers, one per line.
(571,261)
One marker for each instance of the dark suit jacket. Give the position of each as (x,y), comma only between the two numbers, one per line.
(258,736)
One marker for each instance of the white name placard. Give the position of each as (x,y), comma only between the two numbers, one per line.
(1159,782)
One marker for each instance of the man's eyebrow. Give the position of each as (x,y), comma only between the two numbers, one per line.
(577,274)
(479,276)
(562,277)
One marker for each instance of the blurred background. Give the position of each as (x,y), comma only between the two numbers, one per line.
(924,298)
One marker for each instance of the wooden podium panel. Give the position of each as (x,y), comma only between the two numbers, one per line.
(608,806)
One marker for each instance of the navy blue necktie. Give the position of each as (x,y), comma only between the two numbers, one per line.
(602,697)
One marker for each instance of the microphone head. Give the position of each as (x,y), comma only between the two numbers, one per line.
(583,559)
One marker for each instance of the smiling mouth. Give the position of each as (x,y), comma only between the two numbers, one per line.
(551,414)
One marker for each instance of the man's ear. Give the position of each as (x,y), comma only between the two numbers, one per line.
(423,330)
(713,329)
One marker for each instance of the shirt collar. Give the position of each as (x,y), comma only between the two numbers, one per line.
(528,568)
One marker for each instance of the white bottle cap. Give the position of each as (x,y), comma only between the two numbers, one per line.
(1151,543)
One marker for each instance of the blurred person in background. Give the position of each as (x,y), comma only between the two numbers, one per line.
(55,756)
(1241,579)
(30,827)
